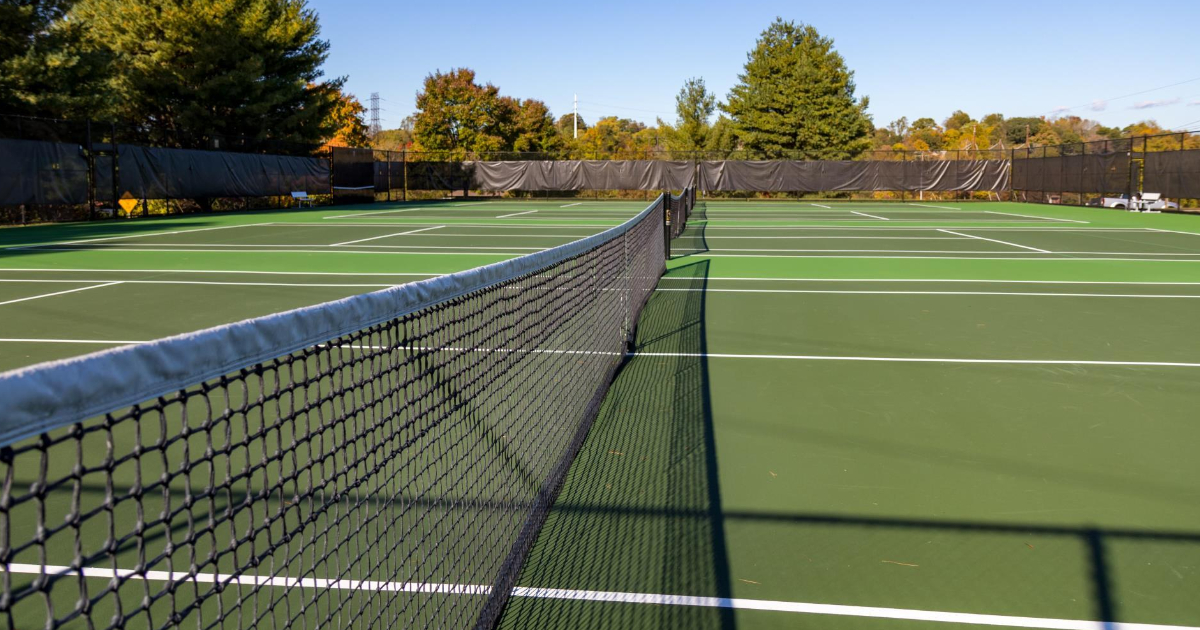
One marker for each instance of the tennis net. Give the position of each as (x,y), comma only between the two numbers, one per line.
(385,460)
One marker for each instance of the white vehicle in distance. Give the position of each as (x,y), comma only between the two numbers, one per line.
(1147,202)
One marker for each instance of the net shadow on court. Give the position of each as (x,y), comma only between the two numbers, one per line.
(640,511)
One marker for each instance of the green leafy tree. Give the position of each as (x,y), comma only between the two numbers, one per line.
(566,125)
(957,120)
(1017,128)
(395,139)
(188,69)
(721,139)
(796,94)
(695,105)
(458,115)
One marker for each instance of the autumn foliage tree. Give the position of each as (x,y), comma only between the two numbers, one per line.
(346,119)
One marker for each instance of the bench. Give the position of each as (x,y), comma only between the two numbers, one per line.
(301,198)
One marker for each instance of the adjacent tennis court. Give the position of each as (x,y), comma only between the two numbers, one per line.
(834,415)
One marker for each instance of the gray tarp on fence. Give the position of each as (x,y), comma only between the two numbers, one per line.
(802,176)
(154,173)
(1173,173)
(581,175)
(1091,173)
(43,173)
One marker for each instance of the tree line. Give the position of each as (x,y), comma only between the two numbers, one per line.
(182,71)
(795,95)
(993,134)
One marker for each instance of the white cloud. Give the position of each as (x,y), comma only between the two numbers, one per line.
(1062,109)
(1195,102)
(1099,105)
(1163,102)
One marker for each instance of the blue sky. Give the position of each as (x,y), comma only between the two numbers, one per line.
(1115,61)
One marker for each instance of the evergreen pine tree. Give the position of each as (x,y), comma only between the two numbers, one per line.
(796,95)
(191,69)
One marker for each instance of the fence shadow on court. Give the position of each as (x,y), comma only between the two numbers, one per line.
(640,511)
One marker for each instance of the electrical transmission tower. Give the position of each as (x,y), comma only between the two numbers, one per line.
(375,127)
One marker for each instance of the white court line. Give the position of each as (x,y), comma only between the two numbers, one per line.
(1021,294)
(1014,256)
(860,251)
(374,212)
(833,218)
(473,247)
(711,355)
(516,214)
(857,238)
(824,357)
(953,280)
(1044,251)
(928,228)
(506,225)
(577,203)
(926,205)
(869,215)
(229,271)
(840,610)
(46,295)
(113,238)
(375,238)
(105,342)
(281,251)
(817,205)
(1172,231)
(204,282)
(141,247)
(1030,216)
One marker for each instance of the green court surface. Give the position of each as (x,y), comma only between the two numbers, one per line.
(869,415)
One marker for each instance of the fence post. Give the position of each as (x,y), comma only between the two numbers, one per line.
(91,183)
(116,169)
(387,155)
(404,162)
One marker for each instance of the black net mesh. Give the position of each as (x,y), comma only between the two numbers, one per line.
(391,477)
(680,210)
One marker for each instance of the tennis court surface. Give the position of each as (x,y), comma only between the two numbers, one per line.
(829,415)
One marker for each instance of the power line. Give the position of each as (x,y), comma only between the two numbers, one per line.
(632,109)
(1059,110)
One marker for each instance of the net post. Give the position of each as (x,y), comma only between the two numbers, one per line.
(627,297)
(666,208)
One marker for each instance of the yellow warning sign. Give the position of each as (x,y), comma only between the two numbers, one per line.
(128,202)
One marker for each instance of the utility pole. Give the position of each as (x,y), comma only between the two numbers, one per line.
(576,116)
